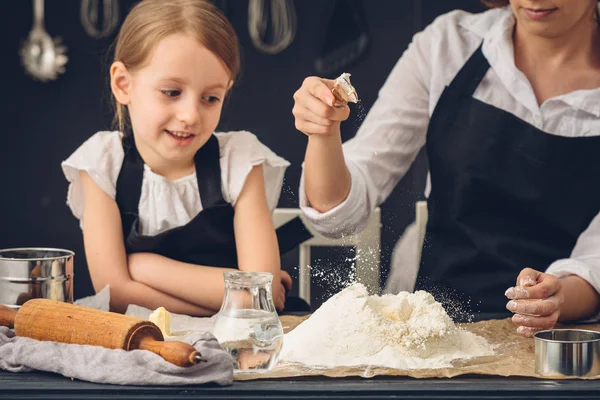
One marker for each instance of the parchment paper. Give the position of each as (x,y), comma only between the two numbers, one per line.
(514,354)
(514,357)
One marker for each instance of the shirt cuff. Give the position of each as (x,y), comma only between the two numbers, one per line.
(347,218)
(569,266)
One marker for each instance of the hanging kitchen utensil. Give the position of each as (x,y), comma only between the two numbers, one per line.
(44,58)
(99,21)
(43,319)
(343,37)
(282,27)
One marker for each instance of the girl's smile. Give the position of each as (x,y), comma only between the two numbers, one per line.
(181,138)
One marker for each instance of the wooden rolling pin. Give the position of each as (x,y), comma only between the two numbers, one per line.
(50,320)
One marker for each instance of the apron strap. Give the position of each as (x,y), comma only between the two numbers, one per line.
(129,183)
(470,76)
(291,235)
(208,174)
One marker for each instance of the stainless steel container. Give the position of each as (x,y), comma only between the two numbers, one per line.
(567,352)
(30,273)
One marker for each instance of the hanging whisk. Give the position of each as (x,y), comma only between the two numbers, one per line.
(94,25)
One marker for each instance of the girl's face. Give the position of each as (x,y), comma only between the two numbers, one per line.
(175,100)
(553,18)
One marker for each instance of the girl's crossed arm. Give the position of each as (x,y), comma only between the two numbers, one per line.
(257,250)
(107,260)
(256,241)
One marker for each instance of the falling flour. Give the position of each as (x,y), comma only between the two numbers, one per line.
(405,331)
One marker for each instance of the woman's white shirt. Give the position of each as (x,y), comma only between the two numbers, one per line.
(395,128)
(165,204)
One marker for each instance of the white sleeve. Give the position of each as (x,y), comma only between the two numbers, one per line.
(584,261)
(101,156)
(385,145)
(240,152)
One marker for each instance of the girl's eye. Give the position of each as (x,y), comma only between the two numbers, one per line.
(211,99)
(171,93)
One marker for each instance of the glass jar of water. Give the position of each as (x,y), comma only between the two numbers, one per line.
(247,326)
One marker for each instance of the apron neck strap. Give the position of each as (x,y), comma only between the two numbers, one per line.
(129,183)
(131,176)
(208,173)
(470,76)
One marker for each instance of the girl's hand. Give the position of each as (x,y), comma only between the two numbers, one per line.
(286,280)
(280,289)
(279,296)
(314,110)
(536,301)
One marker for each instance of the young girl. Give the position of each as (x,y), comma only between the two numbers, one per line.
(166,205)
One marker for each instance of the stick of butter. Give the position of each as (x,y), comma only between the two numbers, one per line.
(162,318)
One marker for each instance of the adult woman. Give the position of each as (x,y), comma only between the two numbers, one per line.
(506,102)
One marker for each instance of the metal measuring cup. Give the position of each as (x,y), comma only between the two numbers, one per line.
(567,353)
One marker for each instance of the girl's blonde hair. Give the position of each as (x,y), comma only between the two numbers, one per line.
(150,21)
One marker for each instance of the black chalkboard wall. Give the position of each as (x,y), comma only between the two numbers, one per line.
(42,123)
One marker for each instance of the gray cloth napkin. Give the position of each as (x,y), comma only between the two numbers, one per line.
(101,365)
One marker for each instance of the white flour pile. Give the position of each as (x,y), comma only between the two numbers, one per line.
(406,331)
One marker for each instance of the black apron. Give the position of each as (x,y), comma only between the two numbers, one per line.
(209,238)
(505,196)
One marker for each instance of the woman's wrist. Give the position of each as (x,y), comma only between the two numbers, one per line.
(332,140)
(581,299)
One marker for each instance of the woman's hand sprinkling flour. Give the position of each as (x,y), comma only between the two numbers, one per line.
(314,108)
(536,301)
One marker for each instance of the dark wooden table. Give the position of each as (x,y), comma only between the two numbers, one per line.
(39,385)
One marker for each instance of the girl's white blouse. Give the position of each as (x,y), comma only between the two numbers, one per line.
(166,204)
